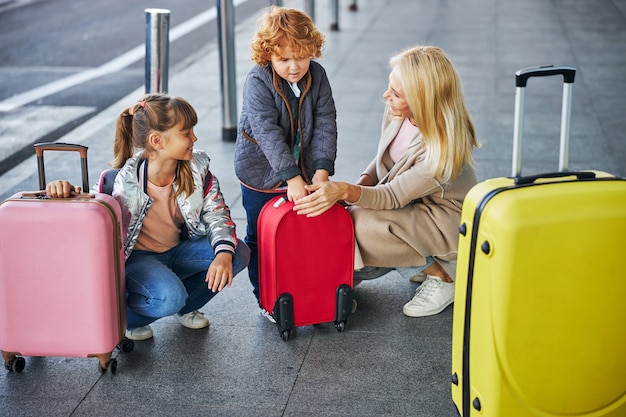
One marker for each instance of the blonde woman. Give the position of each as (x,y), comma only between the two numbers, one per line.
(407,203)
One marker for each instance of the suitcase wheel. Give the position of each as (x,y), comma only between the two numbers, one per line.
(17,364)
(110,365)
(126,345)
(285,334)
(283,314)
(345,305)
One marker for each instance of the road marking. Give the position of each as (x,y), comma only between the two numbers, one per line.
(112,66)
(20,129)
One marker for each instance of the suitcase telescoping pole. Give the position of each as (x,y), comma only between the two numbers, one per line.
(521,79)
(58,146)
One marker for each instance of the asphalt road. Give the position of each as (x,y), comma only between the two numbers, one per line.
(48,41)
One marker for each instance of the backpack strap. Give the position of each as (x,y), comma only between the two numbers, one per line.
(107,179)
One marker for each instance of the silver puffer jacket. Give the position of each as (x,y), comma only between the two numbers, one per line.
(204,215)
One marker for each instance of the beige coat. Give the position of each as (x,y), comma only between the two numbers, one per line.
(408,215)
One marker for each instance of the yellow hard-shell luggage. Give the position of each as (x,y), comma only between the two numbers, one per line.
(540,305)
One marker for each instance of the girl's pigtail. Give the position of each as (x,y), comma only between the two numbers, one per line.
(123,145)
(184,179)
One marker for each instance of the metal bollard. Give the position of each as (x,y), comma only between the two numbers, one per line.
(278,3)
(334,25)
(157,50)
(309,8)
(226,35)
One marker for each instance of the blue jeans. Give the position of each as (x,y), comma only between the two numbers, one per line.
(253,201)
(162,284)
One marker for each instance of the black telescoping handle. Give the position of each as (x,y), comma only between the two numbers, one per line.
(522,76)
(66,147)
(521,79)
(580,175)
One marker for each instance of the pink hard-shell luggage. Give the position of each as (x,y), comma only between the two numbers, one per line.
(306,265)
(62,285)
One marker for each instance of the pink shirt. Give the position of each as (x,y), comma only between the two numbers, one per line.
(161,227)
(401,142)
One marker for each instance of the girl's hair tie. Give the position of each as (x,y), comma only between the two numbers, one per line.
(131,109)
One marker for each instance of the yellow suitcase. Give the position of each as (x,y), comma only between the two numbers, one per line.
(539,326)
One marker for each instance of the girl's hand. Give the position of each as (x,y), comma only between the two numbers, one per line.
(220,272)
(61,189)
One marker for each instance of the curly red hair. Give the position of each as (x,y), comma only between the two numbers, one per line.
(280,28)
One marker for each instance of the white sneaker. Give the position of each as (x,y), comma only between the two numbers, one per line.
(193,320)
(139,333)
(268,315)
(432,297)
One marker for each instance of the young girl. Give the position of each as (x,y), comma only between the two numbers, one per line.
(407,204)
(180,243)
(287,135)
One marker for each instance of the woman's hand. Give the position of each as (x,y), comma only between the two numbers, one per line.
(220,272)
(323,196)
(61,189)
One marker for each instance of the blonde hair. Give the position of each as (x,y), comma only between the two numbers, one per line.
(280,28)
(433,92)
(153,113)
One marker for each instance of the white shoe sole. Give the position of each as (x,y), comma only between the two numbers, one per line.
(409,313)
(194,326)
(268,316)
(138,336)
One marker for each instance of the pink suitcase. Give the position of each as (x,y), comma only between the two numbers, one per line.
(62,285)
(305,265)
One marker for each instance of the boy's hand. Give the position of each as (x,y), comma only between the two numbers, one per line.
(296,188)
(321,175)
(61,189)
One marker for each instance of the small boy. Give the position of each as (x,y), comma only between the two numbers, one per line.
(287,134)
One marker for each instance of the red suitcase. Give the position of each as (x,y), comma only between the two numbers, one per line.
(306,265)
(62,285)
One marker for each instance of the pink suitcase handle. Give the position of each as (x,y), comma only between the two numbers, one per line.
(65,147)
(42,194)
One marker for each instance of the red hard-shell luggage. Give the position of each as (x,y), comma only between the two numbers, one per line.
(62,286)
(306,265)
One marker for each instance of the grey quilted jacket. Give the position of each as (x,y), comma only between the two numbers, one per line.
(265,137)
